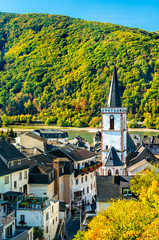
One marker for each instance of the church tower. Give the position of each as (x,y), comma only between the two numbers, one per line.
(114,133)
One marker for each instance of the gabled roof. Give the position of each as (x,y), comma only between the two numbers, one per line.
(34,136)
(146,154)
(107,189)
(9,151)
(131,147)
(75,153)
(113,159)
(114,94)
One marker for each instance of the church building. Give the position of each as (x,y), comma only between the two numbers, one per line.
(114,132)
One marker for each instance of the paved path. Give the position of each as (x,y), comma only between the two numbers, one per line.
(73,226)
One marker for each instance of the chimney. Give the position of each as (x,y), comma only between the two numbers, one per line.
(56,183)
(9,139)
(116,179)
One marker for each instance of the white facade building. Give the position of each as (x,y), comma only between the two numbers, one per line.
(41,213)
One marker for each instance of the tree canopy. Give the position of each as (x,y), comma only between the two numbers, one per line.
(59,69)
(129,219)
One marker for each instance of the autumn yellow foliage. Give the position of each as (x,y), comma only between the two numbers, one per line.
(129,219)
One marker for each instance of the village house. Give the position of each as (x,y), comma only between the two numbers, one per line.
(39,212)
(8,229)
(52,135)
(42,177)
(112,187)
(31,140)
(140,160)
(14,169)
(152,143)
(84,177)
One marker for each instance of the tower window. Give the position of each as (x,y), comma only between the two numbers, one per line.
(111,122)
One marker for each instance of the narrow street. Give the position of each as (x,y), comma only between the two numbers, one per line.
(73,225)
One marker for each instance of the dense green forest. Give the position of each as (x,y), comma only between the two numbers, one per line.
(58,69)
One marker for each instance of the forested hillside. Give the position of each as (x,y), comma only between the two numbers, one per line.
(59,69)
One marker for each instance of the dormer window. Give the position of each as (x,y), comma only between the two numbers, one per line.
(111,122)
(127,192)
(12,164)
(19,162)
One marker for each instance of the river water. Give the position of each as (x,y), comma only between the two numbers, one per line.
(89,135)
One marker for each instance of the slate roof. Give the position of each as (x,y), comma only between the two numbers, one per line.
(146,154)
(107,189)
(151,140)
(9,151)
(113,159)
(75,153)
(43,158)
(131,147)
(49,131)
(3,168)
(114,94)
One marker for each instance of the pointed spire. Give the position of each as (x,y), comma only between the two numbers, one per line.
(114,95)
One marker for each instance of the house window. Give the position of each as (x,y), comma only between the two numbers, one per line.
(22,218)
(6,179)
(12,164)
(76,181)
(91,186)
(116,172)
(111,122)
(20,189)
(15,184)
(87,189)
(53,221)
(19,162)
(62,187)
(25,174)
(47,229)
(106,147)
(47,216)
(82,180)
(83,191)
(52,209)
(78,165)
(20,176)
(85,178)
(52,174)
(56,219)
(127,192)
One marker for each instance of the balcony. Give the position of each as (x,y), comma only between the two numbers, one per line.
(34,203)
(91,168)
(9,218)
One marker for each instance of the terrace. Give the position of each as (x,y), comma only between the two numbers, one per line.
(88,168)
(34,203)
(7,219)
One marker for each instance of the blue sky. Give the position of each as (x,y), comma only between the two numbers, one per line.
(138,13)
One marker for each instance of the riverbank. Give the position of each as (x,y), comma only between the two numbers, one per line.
(30,128)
